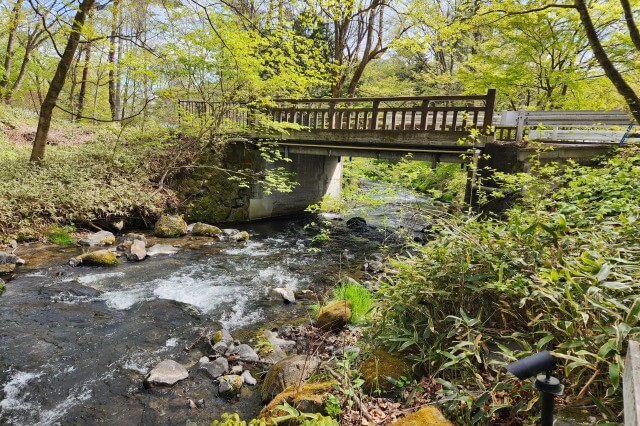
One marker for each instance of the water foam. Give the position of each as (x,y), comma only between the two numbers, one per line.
(15,394)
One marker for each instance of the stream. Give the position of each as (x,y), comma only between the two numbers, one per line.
(78,342)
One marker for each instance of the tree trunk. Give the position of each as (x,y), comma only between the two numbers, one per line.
(113,98)
(631,23)
(57,82)
(603,59)
(83,83)
(8,59)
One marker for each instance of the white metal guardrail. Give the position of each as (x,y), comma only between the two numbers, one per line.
(571,126)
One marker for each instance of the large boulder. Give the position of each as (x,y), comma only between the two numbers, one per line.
(10,259)
(96,258)
(100,238)
(170,226)
(335,315)
(425,416)
(381,370)
(167,372)
(292,370)
(307,398)
(205,230)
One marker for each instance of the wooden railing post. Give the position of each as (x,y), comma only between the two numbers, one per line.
(424,112)
(332,108)
(374,115)
(489,105)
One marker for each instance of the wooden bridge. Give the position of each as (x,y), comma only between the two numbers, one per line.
(429,127)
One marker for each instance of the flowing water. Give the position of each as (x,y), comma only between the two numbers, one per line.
(76,343)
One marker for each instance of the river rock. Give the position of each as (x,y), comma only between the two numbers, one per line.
(161,249)
(237,369)
(307,398)
(137,251)
(167,372)
(95,258)
(292,370)
(429,415)
(131,237)
(227,232)
(215,368)
(204,360)
(240,236)
(100,238)
(374,266)
(335,315)
(205,230)
(170,226)
(286,293)
(248,378)
(244,352)
(220,348)
(285,345)
(230,385)
(271,354)
(10,259)
(357,224)
(224,336)
(378,368)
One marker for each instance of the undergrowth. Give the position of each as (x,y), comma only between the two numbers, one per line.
(358,295)
(560,271)
(105,179)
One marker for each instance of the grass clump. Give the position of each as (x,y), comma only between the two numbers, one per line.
(60,236)
(359,296)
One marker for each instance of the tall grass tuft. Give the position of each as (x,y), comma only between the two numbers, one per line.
(359,296)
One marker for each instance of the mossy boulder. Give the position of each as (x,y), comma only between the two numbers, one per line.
(205,230)
(380,370)
(289,371)
(169,226)
(99,258)
(307,398)
(425,416)
(335,315)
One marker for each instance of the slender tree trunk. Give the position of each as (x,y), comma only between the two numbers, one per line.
(113,98)
(608,67)
(10,52)
(57,82)
(83,83)
(631,23)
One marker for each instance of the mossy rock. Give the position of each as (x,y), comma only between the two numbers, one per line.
(1,286)
(425,416)
(335,315)
(381,369)
(291,370)
(307,398)
(205,230)
(169,226)
(99,258)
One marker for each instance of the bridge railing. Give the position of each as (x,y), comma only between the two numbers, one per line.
(408,113)
(566,126)
(213,114)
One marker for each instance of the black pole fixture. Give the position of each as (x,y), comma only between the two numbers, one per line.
(549,386)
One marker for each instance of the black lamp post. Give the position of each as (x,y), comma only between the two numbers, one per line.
(548,385)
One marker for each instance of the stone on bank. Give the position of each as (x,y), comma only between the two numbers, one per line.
(425,416)
(291,370)
(170,226)
(335,315)
(168,373)
(205,230)
(95,258)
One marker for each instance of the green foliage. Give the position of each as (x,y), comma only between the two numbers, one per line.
(560,272)
(105,178)
(60,236)
(359,296)
(303,419)
(234,420)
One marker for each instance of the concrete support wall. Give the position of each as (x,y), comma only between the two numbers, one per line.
(316,175)
(631,385)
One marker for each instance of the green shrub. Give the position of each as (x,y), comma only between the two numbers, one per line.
(358,295)
(559,272)
(60,236)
